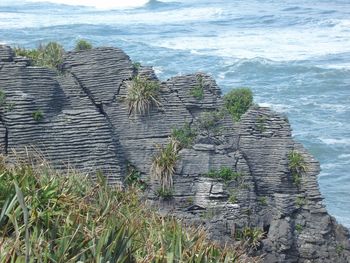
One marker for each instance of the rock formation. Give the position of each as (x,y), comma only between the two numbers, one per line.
(78,118)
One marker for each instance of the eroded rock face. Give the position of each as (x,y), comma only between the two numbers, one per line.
(80,119)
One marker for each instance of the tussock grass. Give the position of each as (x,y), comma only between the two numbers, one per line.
(164,162)
(297,166)
(49,55)
(50,217)
(142,94)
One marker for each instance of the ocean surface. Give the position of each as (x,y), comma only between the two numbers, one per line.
(294,55)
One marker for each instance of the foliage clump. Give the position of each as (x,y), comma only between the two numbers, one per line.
(38,115)
(209,122)
(185,135)
(163,164)
(165,194)
(198,91)
(238,101)
(49,55)
(297,166)
(47,217)
(2,98)
(142,94)
(251,235)
(133,178)
(224,173)
(82,44)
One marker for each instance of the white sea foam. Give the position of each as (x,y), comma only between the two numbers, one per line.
(332,141)
(101,4)
(344,156)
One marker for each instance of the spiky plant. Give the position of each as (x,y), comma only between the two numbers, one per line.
(49,55)
(297,166)
(47,217)
(164,162)
(142,94)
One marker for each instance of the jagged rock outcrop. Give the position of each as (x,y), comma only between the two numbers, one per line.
(79,119)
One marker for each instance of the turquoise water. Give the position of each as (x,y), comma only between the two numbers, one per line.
(295,56)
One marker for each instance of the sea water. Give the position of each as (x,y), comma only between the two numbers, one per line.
(293,54)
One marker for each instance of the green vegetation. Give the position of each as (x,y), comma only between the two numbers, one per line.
(165,194)
(339,249)
(133,178)
(82,44)
(185,135)
(238,101)
(261,124)
(263,200)
(142,94)
(50,55)
(297,166)
(224,173)
(198,91)
(299,228)
(47,217)
(2,98)
(232,197)
(251,235)
(300,201)
(209,122)
(163,164)
(38,115)
(136,65)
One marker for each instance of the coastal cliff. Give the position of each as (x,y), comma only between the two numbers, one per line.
(79,118)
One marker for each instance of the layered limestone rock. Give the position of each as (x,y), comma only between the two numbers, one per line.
(79,118)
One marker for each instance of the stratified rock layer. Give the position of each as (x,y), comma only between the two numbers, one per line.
(79,119)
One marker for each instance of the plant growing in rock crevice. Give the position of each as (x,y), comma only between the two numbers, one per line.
(198,91)
(209,122)
(133,178)
(297,166)
(252,236)
(142,94)
(38,115)
(49,55)
(185,135)
(163,164)
(2,98)
(238,101)
(224,173)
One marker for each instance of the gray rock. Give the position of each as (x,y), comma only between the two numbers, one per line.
(85,125)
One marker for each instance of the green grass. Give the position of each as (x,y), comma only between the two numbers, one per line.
(82,44)
(142,94)
(299,228)
(209,122)
(300,201)
(165,194)
(198,91)
(224,173)
(238,101)
(185,135)
(263,200)
(297,166)
(163,164)
(251,235)
(38,115)
(134,179)
(2,98)
(50,217)
(49,55)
